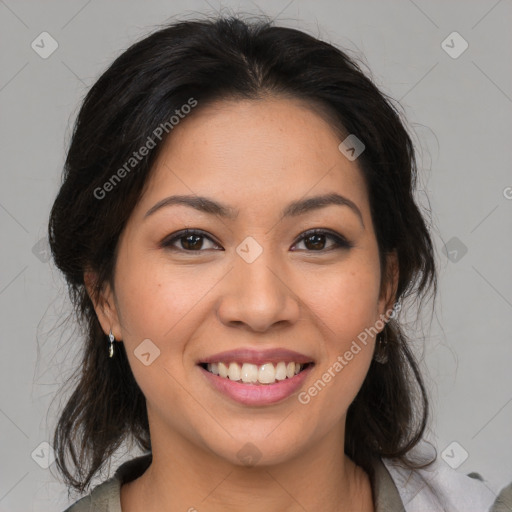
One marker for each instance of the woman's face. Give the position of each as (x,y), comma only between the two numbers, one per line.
(249,283)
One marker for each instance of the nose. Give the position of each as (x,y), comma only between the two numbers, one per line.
(258,295)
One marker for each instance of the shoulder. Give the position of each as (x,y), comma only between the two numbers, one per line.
(504,501)
(103,498)
(106,497)
(438,487)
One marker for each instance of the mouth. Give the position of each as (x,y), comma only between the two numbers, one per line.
(256,375)
(256,378)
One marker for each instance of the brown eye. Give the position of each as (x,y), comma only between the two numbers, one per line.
(190,240)
(315,241)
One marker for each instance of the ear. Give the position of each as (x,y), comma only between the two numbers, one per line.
(104,304)
(390,284)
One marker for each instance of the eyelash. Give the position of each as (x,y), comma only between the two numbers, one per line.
(340,242)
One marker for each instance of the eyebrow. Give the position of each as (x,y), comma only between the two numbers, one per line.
(294,209)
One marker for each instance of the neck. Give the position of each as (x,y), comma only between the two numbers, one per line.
(321,478)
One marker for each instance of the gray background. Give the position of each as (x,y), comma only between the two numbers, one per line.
(459,110)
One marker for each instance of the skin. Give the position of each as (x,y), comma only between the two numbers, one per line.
(256,156)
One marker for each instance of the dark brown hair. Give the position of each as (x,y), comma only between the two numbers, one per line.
(211,60)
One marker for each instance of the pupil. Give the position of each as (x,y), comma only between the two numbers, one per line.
(318,244)
(190,240)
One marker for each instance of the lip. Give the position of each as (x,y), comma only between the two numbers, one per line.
(258,357)
(254,394)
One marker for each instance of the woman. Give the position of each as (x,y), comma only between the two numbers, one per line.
(238,229)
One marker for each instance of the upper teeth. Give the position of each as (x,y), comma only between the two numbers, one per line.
(266,373)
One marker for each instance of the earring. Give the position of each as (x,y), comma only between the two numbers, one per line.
(381,355)
(111,347)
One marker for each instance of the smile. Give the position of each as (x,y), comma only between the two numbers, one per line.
(256,393)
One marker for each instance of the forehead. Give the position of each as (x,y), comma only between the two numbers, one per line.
(253,154)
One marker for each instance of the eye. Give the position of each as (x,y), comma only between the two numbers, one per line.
(191,240)
(315,240)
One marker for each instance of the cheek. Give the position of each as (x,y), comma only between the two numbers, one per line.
(345,304)
(346,300)
(155,296)
(157,318)
(163,303)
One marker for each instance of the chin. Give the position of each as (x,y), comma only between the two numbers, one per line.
(258,449)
